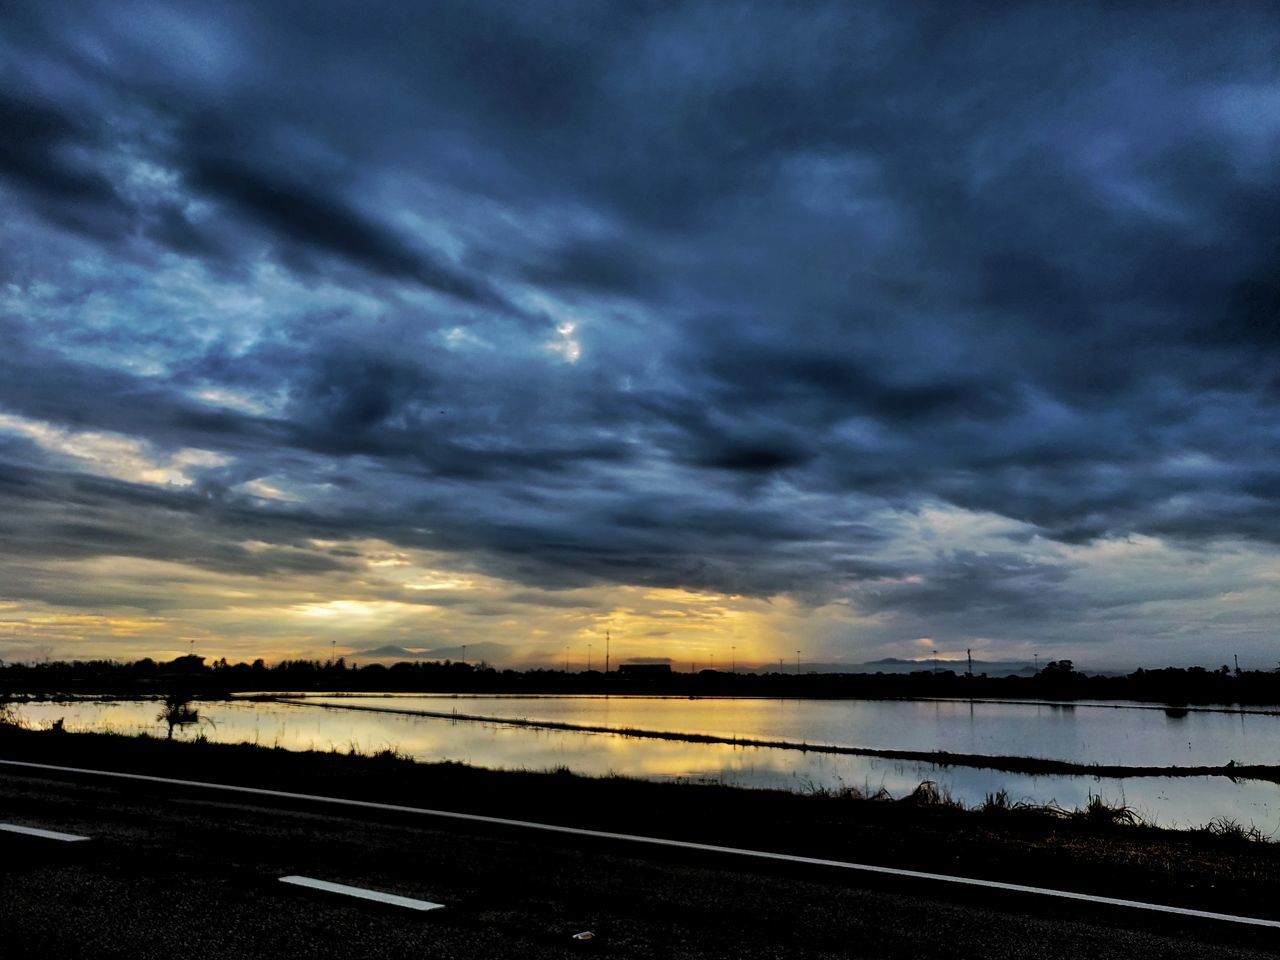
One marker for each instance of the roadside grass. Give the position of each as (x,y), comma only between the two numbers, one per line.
(1232,830)
(1103,848)
(1102,814)
(1097,817)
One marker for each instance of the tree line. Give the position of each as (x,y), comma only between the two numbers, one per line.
(1057,681)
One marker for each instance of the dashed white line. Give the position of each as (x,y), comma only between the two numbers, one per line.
(42,834)
(362,893)
(663,842)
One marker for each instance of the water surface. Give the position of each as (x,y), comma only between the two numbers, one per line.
(1110,734)
(1170,801)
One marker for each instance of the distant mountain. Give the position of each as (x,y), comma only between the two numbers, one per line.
(385,653)
(501,654)
(992,668)
(902,665)
(995,668)
(472,652)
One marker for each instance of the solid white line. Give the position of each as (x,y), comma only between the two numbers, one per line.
(390,898)
(663,842)
(43,834)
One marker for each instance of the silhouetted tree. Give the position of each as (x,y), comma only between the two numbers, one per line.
(1058,668)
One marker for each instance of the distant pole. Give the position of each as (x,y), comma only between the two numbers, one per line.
(797,663)
(1237,658)
(566,658)
(733,659)
(464,653)
(588,658)
(606,650)
(333,652)
(1037,656)
(935,663)
(780,668)
(969,654)
(193,647)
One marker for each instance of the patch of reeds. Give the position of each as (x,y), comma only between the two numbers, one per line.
(1099,812)
(930,794)
(1231,829)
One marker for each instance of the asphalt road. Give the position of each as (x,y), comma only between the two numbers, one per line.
(172,873)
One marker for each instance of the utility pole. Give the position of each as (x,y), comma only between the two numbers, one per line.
(935,663)
(464,653)
(969,653)
(588,658)
(797,663)
(606,650)
(333,652)
(566,658)
(733,659)
(1237,659)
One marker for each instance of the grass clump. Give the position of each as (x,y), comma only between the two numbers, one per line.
(930,794)
(998,802)
(1231,829)
(1099,813)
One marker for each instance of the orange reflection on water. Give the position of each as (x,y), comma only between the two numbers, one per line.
(1189,801)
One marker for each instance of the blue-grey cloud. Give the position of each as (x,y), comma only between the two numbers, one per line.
(688,295)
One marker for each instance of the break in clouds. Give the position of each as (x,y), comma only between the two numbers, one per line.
(851,327)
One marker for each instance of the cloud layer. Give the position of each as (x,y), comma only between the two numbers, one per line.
(871,328)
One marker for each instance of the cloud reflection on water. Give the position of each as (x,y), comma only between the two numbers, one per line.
(1171,801)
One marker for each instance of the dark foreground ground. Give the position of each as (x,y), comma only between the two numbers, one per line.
(175,872)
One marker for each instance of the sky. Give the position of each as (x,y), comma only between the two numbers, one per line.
(732,330)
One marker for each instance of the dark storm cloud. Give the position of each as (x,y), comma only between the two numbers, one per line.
(33,154)
(991,591)
(603,265)
(730,291)
(54,515)
(311,219)
(46,386)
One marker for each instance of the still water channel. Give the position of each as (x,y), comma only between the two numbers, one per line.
(1112,734)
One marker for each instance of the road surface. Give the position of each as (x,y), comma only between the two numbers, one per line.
(175,873)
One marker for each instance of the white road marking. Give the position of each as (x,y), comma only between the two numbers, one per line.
(389,898)
(42,834)
(663,842)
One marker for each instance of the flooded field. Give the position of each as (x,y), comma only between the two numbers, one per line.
(1124,734)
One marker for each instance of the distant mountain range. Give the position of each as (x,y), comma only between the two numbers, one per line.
(998,668)
(472,652)
(500,655)
(900,665)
